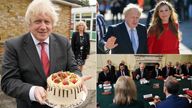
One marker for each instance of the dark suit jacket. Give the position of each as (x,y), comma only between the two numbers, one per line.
(123,40)
(154,74)
(174,101)
(22,68)
(185,72)
(164,71)
(138,72)
(102,77)
(75,43)
(134,104)
(119,73)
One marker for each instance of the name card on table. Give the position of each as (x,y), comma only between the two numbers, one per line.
(185,89)
(178,79)
(107,87)
(151,103)
(147,96)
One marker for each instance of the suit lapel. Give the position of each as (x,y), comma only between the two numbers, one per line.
(32,53)
(52,53)
(139,33)
(125,32)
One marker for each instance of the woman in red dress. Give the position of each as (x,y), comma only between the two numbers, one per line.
(163,33)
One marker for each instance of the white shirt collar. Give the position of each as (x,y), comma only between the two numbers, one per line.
(37,41)
(128,28)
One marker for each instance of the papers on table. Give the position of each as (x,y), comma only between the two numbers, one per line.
(143,81)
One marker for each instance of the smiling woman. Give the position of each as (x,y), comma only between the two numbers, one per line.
(163,33)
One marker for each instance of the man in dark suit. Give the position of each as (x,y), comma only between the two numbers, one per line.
(141,72)
(171,88)
(29,59)
(105,76)
(187,70)
(129,37)
(122,71)
(111,68)
(156,72)
(168,70)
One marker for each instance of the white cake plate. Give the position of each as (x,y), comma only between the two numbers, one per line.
(74,105)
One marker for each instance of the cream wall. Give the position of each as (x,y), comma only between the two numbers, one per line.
(130,60)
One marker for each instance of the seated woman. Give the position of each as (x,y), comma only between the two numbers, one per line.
(126,94)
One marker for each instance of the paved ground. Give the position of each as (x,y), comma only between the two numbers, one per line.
(89,69)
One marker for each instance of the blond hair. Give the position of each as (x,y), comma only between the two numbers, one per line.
(125,91)
(41,7)
(131,6)
(80,23)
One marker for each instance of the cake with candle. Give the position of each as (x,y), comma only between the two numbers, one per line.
(65,88)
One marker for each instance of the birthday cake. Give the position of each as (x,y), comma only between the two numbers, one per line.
(65,88)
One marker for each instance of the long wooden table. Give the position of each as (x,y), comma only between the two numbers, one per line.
(142,89)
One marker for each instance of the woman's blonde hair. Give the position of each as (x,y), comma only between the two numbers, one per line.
(125,91)
(156,25)
(80,23)
(41,7)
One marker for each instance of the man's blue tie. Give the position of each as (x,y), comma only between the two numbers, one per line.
(133,41)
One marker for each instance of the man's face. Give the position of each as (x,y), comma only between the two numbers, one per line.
(132,18)
(41,26)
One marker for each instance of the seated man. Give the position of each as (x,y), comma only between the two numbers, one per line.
(105,76)
(122,71)
(156,73)
(171,88)
(168,70)
(141,72)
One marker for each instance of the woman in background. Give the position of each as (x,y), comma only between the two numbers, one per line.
(163,33)
(80,44)
(126,94)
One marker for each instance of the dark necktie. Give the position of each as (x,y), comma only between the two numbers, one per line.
(44,59)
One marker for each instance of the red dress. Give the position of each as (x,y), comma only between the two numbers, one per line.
(168,43)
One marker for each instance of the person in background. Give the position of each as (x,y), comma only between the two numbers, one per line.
(80,44)
(141,72)
(156,73)
(168,70)
(122,71)
(126,67)
(111,69)
(105,76)
(163,33)
(187,70)
(29,59)
(171,88)
(125,94)
(101,31)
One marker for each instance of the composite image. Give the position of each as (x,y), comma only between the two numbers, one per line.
(95,54)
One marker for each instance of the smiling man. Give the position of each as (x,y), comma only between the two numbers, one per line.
(29,59)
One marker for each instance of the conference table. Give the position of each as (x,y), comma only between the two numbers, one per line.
(142,89)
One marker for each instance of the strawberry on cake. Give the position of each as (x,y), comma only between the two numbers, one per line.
(65,88)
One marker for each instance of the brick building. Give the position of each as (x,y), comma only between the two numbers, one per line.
(12,18)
